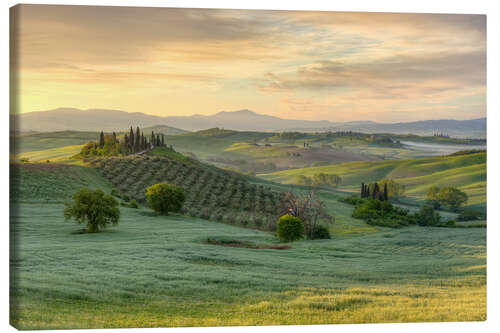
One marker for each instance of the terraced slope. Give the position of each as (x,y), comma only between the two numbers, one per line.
(211,193)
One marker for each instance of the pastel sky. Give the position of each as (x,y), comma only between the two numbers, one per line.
(335,66)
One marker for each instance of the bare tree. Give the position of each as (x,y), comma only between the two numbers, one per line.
(307,208)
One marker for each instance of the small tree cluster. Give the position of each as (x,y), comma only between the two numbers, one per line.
(308,209)
(108,145)
(446,196)
(319,179)
(382,190)
(136,142)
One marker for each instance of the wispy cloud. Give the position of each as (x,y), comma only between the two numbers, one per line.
(316,65)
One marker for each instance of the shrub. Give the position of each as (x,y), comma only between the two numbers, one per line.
(321,232)
(133,204)
(93,207)
(470,215)
(115,193)
(352,200)
(382,213)
(164,198)
(303,180)
(289,228)
(447,224)
(427,216)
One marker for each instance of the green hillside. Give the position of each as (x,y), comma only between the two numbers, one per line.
(164,129)
(211,193)
(152,271)
(44,141)
(51,182)
(467,172)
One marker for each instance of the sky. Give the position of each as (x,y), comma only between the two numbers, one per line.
(337,66)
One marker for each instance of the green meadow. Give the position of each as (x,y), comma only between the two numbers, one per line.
(466,172)
(153,271)
(161,271)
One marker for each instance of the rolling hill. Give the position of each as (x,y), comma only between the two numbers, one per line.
(243,120)
(467,172)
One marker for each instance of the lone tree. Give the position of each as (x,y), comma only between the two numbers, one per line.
(93,207)
(101,139)
(165,198)
(308,209)
(446,196)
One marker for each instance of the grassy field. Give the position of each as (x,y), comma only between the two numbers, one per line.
(155,271)
(467,172)
(47,141)
(160,271)
(59,154)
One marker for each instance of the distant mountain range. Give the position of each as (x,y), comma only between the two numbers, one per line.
(243,120)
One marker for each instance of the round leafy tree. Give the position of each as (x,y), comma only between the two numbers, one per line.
(94,208)
(289,228)
(165,198)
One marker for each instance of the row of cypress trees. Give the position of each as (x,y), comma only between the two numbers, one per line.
(373,191)
(136,142)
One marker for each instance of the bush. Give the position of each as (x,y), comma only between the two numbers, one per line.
(289,228)
(382,213)
(352,200)
(321,232)
(115,193)
(427,216)
(93,207)
(164,198)
(470,215)
(133,204)
(447,224)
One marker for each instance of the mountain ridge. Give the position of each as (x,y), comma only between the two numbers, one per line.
(242,120)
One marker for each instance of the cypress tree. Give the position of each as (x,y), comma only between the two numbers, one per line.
(153,138)
(114,137)
(386,193)
(162,140)
(137,142)
(143,143)
(131,139)
(101,140)
(376,191)
(158,142)
(362,190)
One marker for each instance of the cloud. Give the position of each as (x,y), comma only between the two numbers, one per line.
(319,64)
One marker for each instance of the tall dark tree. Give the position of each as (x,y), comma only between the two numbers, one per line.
(114,137)
(143,142)
(137,142)
(376,191)
(158,142)
(153,138)
(362,190)
(131,139)
(101,140)
(386,192)
(162,140)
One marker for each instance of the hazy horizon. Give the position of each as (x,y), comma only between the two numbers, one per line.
(335,66)
(233,111)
